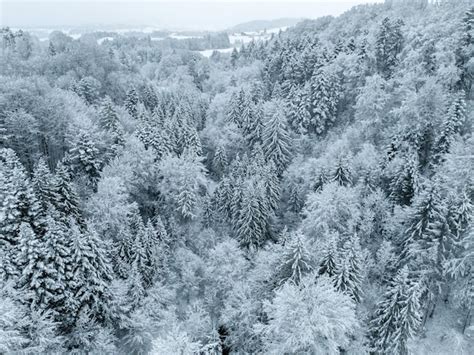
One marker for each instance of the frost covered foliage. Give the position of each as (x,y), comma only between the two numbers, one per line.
(310,318)
(307,194)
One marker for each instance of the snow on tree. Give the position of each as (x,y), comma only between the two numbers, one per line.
(183,177)
(330,258)
(176,340)
(66,200)
(91,273)
(295,198)
(219,162)
(388,45)
(464,51)
(323,99)
(451,126)
(11,318)
(43,184)
(299,110)
(272,185)
(85,158)
(252,220)
(109,121)
(296,260)
(131,103)
(46,276)
(397,317)
(404,184)
(18,201)
(348,278)
(342,172)
(308,318)
(276,139)
(334,208)
(424,240)
(253,126)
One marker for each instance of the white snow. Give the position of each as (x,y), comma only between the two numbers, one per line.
(208,52)
(100,40)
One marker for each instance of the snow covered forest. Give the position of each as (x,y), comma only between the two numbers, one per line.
(308,193)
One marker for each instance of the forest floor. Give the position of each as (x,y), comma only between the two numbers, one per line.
(443,335)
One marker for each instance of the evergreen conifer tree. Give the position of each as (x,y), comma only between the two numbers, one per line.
(397,317)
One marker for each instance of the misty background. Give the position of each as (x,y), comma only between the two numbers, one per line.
(184,15)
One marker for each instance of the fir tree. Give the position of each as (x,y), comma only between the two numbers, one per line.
(342,173)
(219,162)
(464,52)
(405,183)
(251,223)
(43,184)
(234,57)
(66,200)
(253,129)
(295,198)
(47,274)
(397,317)
(323,99)
(296,260)
(85,158)
(131,103)
(451,126)
(425,227)
(388,45)
(276,139)
(329,263)
(348,278)
(18,202)
(109,121)
(461,270)
(223,196)
(272,185)
(51,49)
(91,273)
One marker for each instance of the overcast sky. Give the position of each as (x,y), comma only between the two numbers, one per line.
(190,14)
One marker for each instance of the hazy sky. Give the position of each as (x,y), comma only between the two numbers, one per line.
(190,14)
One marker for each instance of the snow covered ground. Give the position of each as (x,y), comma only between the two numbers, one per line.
(240,38)
(208,52)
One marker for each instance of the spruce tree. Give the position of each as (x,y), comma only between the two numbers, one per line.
(251,223)
(276,139)
(85,158)
(253,125)
(465,51)
(388,45)
(109,121)
(296,260)
(330,260)
(342,172)
(451,126)
(66,200)
(91,273)
(272,185)
(219,162)
(425,227)
(323,99)
(348,278)
(397,317)
(295,198)
(18,202)
(131,103)
(223,197)
(46,276)
(404,184)
(43,184)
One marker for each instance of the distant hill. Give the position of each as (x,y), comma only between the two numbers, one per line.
(260,25)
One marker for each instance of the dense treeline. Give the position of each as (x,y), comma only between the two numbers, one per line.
(308,194)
